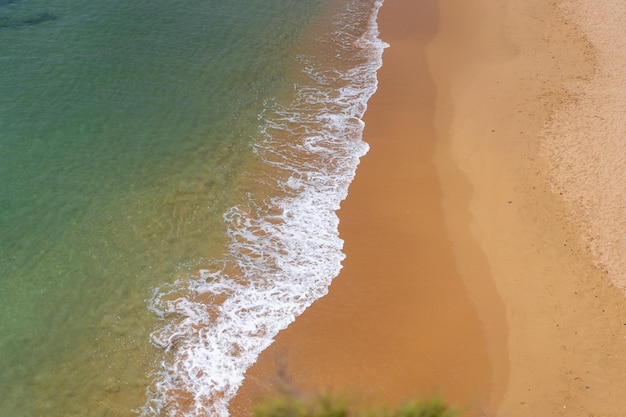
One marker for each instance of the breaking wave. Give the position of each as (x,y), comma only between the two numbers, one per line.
(284,242)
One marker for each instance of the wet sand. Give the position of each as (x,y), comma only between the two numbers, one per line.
(467,271)
(398,320)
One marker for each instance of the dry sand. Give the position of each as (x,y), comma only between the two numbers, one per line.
(468,271)
(512,76)
(586,143)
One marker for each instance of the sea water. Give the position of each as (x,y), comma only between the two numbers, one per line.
(169,176)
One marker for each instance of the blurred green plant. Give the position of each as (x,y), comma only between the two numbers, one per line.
(328,406)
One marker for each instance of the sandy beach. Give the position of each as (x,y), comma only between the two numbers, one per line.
(475,258)
(516,83)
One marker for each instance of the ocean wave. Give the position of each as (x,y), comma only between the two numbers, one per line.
(284,247)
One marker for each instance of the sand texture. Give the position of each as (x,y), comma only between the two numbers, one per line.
(512,77)
(585,142)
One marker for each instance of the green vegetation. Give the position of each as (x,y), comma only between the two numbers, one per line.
(327,406)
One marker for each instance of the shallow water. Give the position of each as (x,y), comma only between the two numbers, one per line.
(158,148)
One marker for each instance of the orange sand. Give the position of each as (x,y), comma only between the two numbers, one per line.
(503,70)
(398,320)
(466,272)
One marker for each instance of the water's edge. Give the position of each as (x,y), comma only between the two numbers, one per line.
(284,246)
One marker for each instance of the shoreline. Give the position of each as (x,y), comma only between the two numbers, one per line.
(398,320)
(459,185)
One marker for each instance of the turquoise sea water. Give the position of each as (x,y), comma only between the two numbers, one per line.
(168,172)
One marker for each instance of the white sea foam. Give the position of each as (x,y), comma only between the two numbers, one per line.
(285,248)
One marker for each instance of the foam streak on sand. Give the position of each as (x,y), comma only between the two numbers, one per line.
(585,142)
(285,249)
